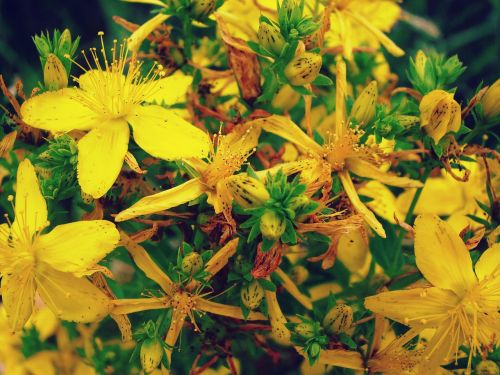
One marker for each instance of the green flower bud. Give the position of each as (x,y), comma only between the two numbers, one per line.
(299,202)
(55,76)
(151,354)
(272,225)
(487,367)
(305,330)
(64,43)
(303,69)
(192,263)
(202,8)
(252,295)
(338,319)
(247,191)
(270,38)
(314,350)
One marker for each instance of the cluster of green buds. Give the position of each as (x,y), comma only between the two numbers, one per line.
(57,167)
(56,53)
(427,73)
(309,335)
(274,217)
(150,346)
(292,21)
(390,125)
(198,9)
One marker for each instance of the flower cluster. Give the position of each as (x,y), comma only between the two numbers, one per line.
(241,184)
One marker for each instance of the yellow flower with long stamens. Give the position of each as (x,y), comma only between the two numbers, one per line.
(214,177)
(462,305)
(53,264)
(341,153)
(109,97)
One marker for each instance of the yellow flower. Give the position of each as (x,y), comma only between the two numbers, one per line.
(214,177)
(108,99)
(491,100)
(462,305)
(52,264)
(439,114)
(355,23)
(341,152)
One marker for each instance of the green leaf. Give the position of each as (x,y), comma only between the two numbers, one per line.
(322,80)
(267,285)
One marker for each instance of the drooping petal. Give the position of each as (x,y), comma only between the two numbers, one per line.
(70,297)
(166,199)
(280,332)
(18,296)
(384,201)
(58,111)
(226,310)
(288,130)
(30,208)
(441,255)
(488,263)
(76,247)
(360,207)
(152,2)
(163,134)
(100,156)
(138,36)
(169,90)
(419,307)
(364,169)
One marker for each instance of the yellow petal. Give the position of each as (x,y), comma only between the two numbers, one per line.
(76,247)
(138,36)
(488,263)
(384,201)
(170,90)
(226,310)
(163,134)
(129,306)
(418,307)
(100,157)
(342,358)
(69,297)
(363,108)
(45,322)
(364,169)
(292,288)
(441,255)
(30,208)
(18,294)
(340,96)
(288,130)
(166,199)
(41,363)
(58,111)
(152,2)
(280,332)
(360,207)
(428,103)
(353,250)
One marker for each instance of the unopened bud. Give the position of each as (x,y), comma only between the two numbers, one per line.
(420,61)
(305,330)
(270,38)
(439,114)
(192,263)
(363,108)
(303,69)
(248,191)
(338,319)
(252,295)
(54,73)
(491,101)
(64,43)
(202,8)
(151,354)
(487,367)
(272,226)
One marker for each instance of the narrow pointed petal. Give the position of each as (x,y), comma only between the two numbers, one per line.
(383,201)
(419,307)
(441,255)
(292,288)
(138,36)
(226,310)
(360,207)
(71,298)
(340,96)
(18,297)
(30,208)
(166,199)
(163,134)
(58,111)
(364,169)
(76,247)
(152,2)
(130,306)
(277,319)
(100,157)
(287,129)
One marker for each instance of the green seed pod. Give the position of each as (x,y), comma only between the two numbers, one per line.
(55,76)
(305,330)
(192,263)
(247,191)
(270,38)
(151,354)
(252,295)
(303,69)
(338,319)
(299,274)
(202,8)
(272,226)
(487,367)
